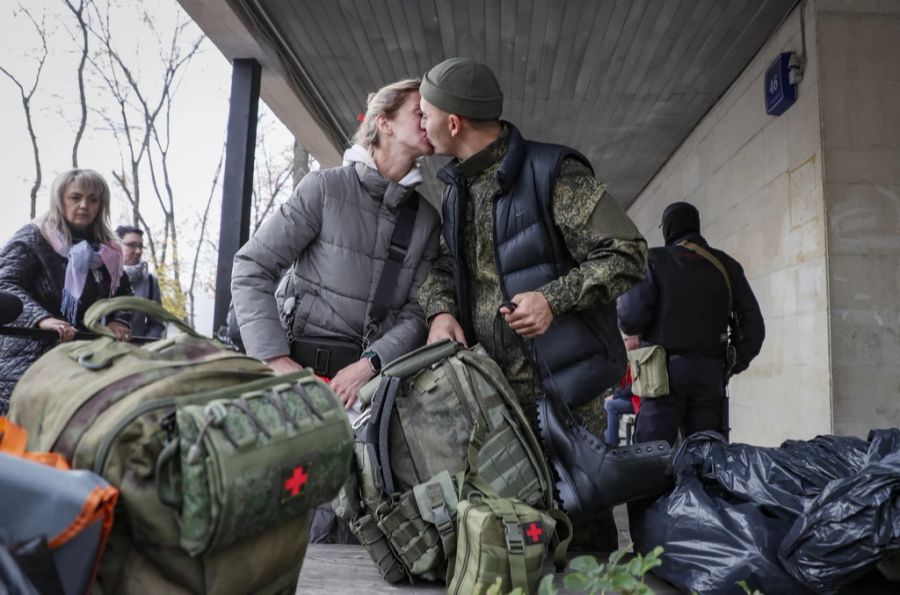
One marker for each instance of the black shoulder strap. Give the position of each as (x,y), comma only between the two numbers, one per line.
(400,240)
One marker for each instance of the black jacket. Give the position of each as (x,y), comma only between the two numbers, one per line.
(32,271)
(682,304)
(581,353)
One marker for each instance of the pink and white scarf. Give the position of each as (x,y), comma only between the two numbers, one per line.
(82,259)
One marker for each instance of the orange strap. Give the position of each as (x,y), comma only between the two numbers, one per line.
(99,506)
(14,439)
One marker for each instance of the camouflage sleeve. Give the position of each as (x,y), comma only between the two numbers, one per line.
(436,293)
(599,235)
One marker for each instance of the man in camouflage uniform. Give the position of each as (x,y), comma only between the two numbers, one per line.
(526,223)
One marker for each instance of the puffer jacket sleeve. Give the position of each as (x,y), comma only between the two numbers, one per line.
(259,264)
(409,330)
(19,268)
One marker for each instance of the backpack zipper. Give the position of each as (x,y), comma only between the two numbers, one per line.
(458,388)
(464,527)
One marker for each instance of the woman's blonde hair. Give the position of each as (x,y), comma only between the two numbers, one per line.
(384,102)
(99,230)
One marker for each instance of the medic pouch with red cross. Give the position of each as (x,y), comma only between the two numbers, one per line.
(247,459)
(502,538)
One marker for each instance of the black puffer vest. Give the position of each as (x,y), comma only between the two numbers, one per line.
(581,354)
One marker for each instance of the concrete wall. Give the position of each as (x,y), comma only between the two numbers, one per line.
(859,46)
(757,181)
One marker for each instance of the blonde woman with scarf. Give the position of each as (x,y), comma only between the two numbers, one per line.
(58,265)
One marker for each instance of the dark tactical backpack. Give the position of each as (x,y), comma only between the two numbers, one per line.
(427,410)
(217,460)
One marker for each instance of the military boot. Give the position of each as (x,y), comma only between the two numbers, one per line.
(592,476)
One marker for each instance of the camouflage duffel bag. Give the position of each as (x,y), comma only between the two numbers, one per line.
(412,446)
(216,459)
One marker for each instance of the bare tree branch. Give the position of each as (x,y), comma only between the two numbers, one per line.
(82,25)
(26,103)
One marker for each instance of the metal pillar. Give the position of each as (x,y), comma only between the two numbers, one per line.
(237,183)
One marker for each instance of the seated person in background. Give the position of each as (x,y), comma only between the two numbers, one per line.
(335,234)
(58,265)
(143,283)
(622,400)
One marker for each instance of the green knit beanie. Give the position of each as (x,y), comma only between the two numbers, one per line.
(464,87)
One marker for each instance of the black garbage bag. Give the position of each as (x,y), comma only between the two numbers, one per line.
(784,478)
(713,532)
(882,443)
(852,525)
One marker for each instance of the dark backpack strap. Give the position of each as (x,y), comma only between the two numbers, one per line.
(400,241)
(384,428)
(374,434)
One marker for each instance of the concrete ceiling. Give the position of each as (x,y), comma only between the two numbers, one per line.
(623,81)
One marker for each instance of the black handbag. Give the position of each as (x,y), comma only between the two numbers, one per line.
(325,355)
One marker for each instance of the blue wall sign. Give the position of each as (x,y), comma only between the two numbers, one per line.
(780,92)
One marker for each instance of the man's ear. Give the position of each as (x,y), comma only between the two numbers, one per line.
(454,123)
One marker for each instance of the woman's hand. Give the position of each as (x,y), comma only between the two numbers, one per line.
(122,331)
(62,328)
(347,382)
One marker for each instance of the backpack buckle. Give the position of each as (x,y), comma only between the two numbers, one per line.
(515,541)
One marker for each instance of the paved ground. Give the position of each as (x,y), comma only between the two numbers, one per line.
(348,570)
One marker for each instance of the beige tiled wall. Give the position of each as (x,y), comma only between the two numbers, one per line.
(859,43)
(757,181)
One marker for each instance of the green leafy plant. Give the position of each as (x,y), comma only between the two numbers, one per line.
(743,585)
(593,578)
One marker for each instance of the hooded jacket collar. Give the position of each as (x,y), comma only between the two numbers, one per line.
(379,187)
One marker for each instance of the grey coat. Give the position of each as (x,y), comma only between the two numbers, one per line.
(335,232)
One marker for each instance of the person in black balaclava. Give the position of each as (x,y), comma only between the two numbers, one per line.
(691,300)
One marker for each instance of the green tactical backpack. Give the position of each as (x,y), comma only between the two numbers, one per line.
(217,460)
(412,441)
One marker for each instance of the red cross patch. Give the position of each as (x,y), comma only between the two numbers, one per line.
(534,532)
(292,481)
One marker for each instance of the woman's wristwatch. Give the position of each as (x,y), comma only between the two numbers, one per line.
(374,360)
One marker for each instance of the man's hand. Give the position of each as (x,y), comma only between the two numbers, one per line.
(122,331)
(445,326)
(283,365)
(532,316)
(62,328)
(347,382)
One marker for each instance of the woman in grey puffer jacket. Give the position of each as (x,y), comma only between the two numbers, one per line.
(335,233)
